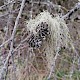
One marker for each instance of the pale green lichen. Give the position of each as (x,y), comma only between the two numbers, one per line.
(59,34)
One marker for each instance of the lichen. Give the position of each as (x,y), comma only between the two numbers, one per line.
(57,38)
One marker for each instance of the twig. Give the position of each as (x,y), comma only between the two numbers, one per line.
(21,43)
(4,6)
(47,3)
(72,11)
(72,70)
(74,60)
(5,42)
(79,63)
(9,21)
(11,46)
(53,66)
(10,16)
(10,38)
(9,13)
(31,12)
(68,15)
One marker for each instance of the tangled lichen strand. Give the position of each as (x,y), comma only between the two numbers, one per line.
(58,37)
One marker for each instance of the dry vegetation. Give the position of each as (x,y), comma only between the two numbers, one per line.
(39,40)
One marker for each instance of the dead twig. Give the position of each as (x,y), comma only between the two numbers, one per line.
(53,66)
(9,13)
(7,4)
(72,11)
